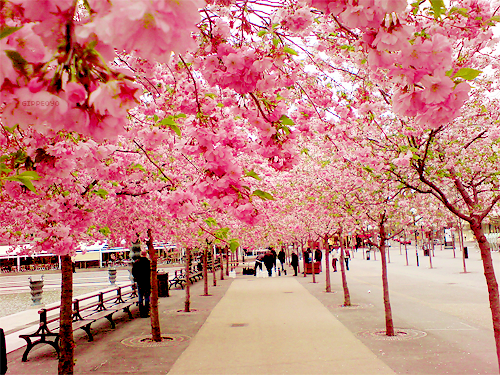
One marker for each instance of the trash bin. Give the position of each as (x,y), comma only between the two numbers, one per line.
(426,252)
(162,284)
(466,252)
(367,254)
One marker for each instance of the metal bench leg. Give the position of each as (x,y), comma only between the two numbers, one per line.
(127,310)
(30,345)
(110,318)
(87,330)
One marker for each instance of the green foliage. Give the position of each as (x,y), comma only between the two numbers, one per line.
(253,174)
(234,244)
(285,120)
(101,192)
(467,73)
(25,178)
(172,124)
(211,222)
(263,195)
(17,60)
(438,8)
(290,51)
(105,231)
(7,30)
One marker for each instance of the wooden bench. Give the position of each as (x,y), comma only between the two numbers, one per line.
(179,278)
(86,311)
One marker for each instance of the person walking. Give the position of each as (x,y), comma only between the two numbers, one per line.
(281,257)
(141,271)
(258,263)
(295,263)
(335,258)
(346,258)
(269,261)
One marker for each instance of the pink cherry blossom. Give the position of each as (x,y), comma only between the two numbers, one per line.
(437,88)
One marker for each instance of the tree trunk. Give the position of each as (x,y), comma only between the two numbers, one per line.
(226,250)
(221,254)
(213,265)
(389,324)
(187,302)
(155,319)
(347,296)
(67,344)
(491,281)
(328,287)
(205,272)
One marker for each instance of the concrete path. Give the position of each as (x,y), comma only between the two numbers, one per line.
(274,326)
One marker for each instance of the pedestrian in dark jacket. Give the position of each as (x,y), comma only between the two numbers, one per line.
(281,257)
(269,261)
(141,271)
(295,263)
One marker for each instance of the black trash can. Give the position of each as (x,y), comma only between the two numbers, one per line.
(162,284)
(426,252)
(466,252)
(367,254)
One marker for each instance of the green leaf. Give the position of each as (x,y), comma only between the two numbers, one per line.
(155,118)
(179,115)
(7,30)
(25,178)
(252,174)
(17,60)
(222,233)
(438,8)
(170,122)
(467,73)
(105,231)
(285,120)
(210,221)
(234,244)
(276,41)
(290,51)
(262,32)
(101,192)
(263,195)
(138,166)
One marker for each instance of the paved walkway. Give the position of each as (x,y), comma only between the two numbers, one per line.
(274,326)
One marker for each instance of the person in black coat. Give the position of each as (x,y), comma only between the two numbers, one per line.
(281,257)
(269,261)
(141,271)
(295,263)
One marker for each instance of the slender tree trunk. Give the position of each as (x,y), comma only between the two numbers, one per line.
(226,250)
(462,245)
(406,251)
(389,324)
(347,296)
(222,264)
(155,319)
(205,272)
(213,266)
(491,281)
(67,344)
(304,260)
(328,288)
(187,302)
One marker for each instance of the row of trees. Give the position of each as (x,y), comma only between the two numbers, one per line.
(244,122)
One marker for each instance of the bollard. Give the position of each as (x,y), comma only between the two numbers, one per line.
(112,275)
(36,291)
